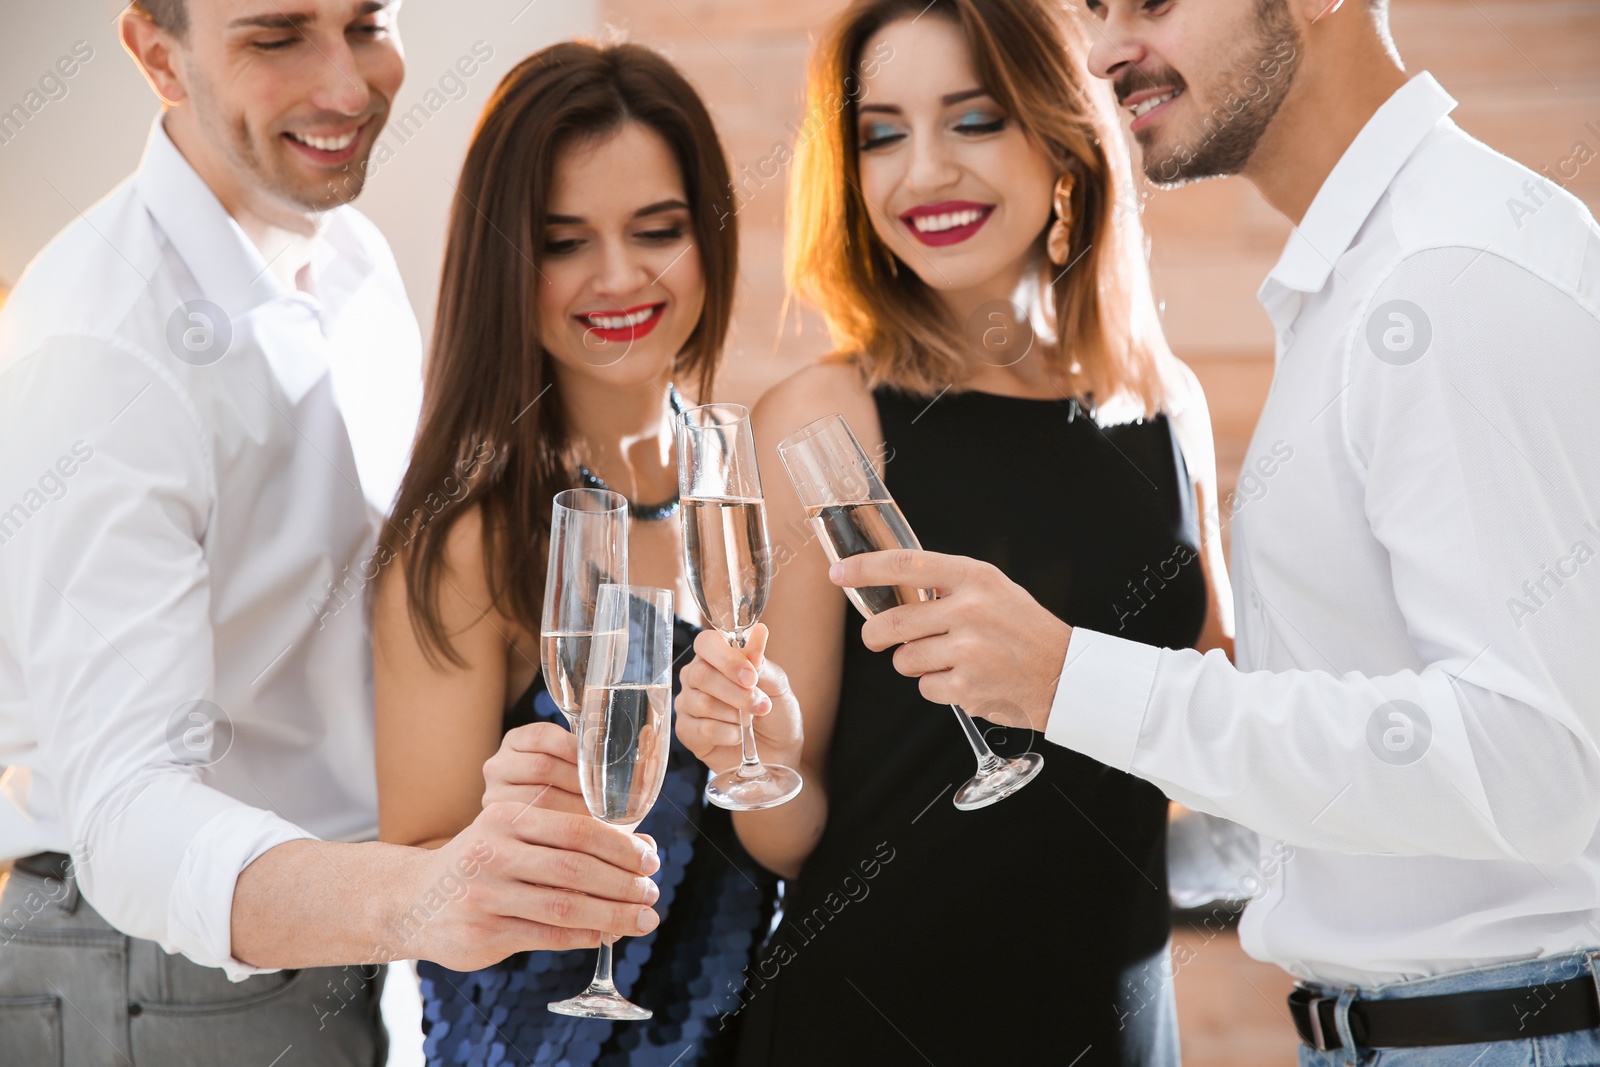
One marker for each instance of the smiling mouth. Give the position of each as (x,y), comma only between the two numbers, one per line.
(1147,104)
(331,148)
(629,325)
(947,223)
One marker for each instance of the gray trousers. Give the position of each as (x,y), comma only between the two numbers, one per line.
(74,992)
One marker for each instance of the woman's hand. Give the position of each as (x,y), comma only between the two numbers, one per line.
(721,682)
(537,766)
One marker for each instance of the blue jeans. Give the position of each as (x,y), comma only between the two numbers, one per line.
(1580,1048)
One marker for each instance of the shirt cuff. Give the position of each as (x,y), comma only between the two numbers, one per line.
(200,919)
(1100,701)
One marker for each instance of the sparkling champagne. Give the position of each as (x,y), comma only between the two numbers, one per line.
(566,660)
(725,545)
(624,735)
(868,526)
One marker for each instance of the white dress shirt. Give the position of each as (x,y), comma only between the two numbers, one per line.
(178,495)
(1416,561)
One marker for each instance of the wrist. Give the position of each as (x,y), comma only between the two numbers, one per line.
(1060,641)
(390,923)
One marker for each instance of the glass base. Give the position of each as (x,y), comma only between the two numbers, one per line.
(773,786)
(984,789)
(598,1005)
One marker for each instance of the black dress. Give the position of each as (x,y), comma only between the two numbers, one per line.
(1033,931)
(716,904)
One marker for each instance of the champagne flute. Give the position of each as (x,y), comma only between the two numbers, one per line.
(730,570)
(853,512)
(588,548)
(624,735)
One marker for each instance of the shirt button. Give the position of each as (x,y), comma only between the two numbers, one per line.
(1287,337)
(1255,599)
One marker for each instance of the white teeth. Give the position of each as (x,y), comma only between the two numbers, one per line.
(948,221)
(1151,104)
(620,322)
(327,144)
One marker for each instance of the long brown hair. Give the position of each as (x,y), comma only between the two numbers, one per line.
(1028,56)
(492,418)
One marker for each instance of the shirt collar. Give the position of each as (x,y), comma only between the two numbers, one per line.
(224,262)
(1357,182)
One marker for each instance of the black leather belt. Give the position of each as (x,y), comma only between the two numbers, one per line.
(55,865)
(1471,1018)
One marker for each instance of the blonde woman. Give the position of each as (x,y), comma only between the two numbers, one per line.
(959,222)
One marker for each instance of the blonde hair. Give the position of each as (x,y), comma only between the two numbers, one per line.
(1101,315)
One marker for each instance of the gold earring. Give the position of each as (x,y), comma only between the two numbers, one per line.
(1059,244)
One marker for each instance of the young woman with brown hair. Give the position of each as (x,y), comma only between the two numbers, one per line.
(961,220)
(589,266)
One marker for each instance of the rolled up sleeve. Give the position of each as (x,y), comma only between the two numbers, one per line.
(108,611)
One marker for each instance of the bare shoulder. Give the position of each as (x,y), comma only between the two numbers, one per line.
(463,545)
(461,577)
(831,386)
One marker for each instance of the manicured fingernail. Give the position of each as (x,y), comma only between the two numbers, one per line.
(836,573)
(763,703)
(651,863)
(648,920)
(747,677)
(652,892)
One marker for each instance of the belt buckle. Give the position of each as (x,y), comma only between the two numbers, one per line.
(1311,1002)
(1319,1040)
(1594,974)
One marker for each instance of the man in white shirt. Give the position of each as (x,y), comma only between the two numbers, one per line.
(1410,722)
(208,386)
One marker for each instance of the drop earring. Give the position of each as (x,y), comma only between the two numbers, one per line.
(1333,5)
(1059,243)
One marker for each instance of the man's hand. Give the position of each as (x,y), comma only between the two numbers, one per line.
(524,878)
(537,764)
(984,644)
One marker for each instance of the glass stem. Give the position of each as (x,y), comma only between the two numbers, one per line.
(749,762)
(987,760)
(602,982)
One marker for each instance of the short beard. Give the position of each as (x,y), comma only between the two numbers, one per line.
(1250,94)
(234,137)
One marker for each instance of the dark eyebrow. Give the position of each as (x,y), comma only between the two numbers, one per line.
(947,100)
(654,209)
(280,20)
(661,206)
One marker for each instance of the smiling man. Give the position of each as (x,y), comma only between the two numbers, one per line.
(208,389)
(1415,700)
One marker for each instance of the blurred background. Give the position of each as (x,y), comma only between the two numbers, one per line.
(1527,73)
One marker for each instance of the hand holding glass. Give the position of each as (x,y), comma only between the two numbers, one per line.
(730,570)
(852,510)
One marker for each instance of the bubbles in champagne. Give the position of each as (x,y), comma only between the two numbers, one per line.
(869,526)
(624,735)
(725,542)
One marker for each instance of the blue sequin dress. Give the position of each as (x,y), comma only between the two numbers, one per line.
(716,906)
